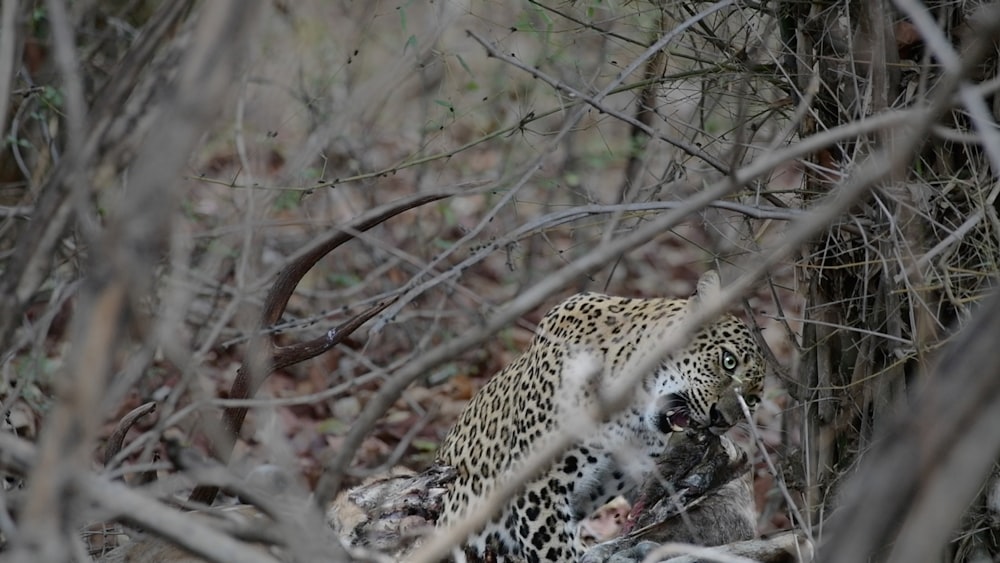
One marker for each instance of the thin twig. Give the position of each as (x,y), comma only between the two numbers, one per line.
(570,122)
(263,356)
(594,101)
(8,52)
(20,456)
(123,265)
(883,164)
(113,131)
(117,437)
(793,507)
(528,300)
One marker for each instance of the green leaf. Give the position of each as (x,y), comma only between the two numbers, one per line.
(410,43)
(333,426)
(461,61)
(286,200)
(424,445)
(343,280)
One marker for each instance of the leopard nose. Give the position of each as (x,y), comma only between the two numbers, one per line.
(718,423)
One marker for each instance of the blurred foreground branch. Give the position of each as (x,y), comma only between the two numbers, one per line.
(122,263)
(921,476)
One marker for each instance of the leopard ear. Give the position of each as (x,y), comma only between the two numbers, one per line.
(709,288)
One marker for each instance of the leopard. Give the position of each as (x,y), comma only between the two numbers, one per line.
(536,394)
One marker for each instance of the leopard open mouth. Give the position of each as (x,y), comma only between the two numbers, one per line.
(675,414)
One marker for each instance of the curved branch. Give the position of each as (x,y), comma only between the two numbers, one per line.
(117,438)
(263,357)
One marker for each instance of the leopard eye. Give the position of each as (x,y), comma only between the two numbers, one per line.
(728,361)
(752,400)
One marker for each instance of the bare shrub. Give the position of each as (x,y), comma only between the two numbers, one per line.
(191,190)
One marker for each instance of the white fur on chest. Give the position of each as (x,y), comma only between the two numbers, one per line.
(613,462)
(609,458)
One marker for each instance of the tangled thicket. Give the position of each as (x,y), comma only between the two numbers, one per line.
(163,164)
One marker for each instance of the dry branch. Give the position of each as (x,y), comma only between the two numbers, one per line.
(807,226)
(894,281)
(53,211)
(123,262)
(924,471)
(8,53)
(117,437)
(264,357)
(124,110)
(595,102)
(333,475)
(20,457)
(887,162)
